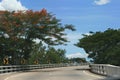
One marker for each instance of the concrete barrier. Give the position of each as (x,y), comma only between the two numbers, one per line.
(106,69)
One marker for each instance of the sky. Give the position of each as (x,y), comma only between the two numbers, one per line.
(85,15)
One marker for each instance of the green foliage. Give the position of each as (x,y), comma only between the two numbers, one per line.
(19,30)
(103,47)
(46,55)
(55,56)
(77,60)
(37,54)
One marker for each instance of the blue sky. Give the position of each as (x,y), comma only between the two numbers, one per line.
(85,15)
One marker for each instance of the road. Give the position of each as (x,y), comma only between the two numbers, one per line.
(65,73)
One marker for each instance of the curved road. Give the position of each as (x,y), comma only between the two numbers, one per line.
(66,73)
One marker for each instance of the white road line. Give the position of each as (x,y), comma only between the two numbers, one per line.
(91,74)
(6,78)
(11,77)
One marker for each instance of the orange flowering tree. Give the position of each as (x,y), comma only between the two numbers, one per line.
(19,30)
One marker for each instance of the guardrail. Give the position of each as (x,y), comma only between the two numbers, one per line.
(103,69)
(106,69)
(19,68)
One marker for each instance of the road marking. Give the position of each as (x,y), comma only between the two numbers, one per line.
(6,78)
(11,77)
(92,74)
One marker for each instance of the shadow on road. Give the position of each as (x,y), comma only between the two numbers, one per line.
(109,78)
(81,69)
(43,70)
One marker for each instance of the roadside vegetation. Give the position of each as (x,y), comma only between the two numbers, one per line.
(102,47)
(23,35)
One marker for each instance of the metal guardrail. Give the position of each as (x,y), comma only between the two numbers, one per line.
(19,68)
(106,69)
(103,69)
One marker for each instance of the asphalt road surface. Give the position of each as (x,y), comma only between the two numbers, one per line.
(65,73)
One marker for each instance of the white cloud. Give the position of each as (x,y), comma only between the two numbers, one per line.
(101,2)
(88,34)
(73,37)
(6,35)
(77,55)
(2,8)
(11,5)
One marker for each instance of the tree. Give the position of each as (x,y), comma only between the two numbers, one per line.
(44,55)
(102,47)
(37,54)
(24,27)
(78,60)
(55,55)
